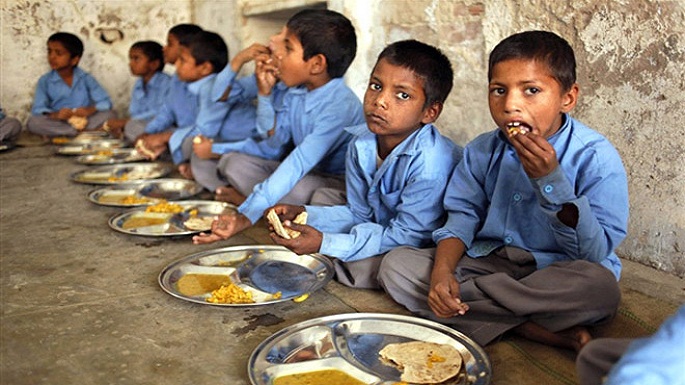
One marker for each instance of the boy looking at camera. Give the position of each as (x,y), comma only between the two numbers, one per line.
(397,167)
(535,211)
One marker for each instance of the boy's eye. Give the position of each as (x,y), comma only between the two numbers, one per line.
(402,95)
(374,86)
(497,91)
(532,90)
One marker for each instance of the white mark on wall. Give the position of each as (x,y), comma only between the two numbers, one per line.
(430,15)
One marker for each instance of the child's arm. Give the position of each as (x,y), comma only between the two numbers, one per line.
(584,225)
(98,95)
(444,296)
(41,100)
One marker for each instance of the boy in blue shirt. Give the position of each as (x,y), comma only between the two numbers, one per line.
(535,211)
(10,128)
(318,47)
(150,91)
(655,360)
(67,96)
(396,168)
(181,106)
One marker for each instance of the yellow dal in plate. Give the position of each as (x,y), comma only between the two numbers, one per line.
(318,377)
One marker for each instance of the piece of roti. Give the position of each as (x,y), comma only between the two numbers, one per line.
(423,362)
(275,221)
(199,223)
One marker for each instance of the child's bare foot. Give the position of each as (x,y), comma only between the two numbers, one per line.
(230,195)
(573,338)
(185,171)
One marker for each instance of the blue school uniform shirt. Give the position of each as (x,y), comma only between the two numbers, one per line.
(179,110)
(398,203)
(313,122)
(656,360)
(53,94)
(492,202)
(240,119)
(148,99)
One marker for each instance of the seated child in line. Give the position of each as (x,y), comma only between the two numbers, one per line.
(204,160)
(319,46)
(146,60)
(397,167)
(181,107)
(535,211)
(10,128)
(655,360)
(67,99)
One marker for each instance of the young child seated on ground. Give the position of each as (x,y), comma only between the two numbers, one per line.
(535,211)
(10,128)
(146,61)
(319,46)
(397,166)
(67,99)
(655,360)
(180,107)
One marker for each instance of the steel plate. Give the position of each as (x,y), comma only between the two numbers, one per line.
(351,342)
(90,147)
(259,269)
(111,156)
(82,138)
(173,223)
(170,189)
(121,173)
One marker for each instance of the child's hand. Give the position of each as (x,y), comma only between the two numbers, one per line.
(267,75)
(285,212)
(308,242)
(224,227)
(202,147)
(248,54)
(63,114)
(444,297)
(537,156)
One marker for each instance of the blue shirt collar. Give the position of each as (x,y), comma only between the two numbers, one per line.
(78,74)
(195,86)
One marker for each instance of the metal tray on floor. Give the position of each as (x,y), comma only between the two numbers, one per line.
(261,270)
(155,224)
(121,173)
(92,147)
(145,192)
(351,342)
(111,156)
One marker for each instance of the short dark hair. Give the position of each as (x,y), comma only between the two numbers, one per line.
(208,46)
(426,62)
(152,50)
(70,42)
(543,46)
(326,32)
(184,32)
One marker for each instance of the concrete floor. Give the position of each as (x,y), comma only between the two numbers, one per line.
(81,304)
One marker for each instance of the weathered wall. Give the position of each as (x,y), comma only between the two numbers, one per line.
(631,57)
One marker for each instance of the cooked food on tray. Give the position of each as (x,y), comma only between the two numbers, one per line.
(318,377)
(279,229)
(199,223)
(423,362)
(145,219)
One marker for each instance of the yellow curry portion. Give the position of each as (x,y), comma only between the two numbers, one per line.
(318,377)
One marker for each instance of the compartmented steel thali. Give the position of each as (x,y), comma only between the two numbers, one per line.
(139,221)
(90,147)
(262,270)
(111,156)
(121,173)
(144,192)
(350,343)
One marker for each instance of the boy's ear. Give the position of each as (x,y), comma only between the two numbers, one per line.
(431,113)
(206,68)
(570,98)
(317,64)
(74,60)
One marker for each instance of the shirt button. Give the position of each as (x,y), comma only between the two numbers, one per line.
(508,239)
(549,188)
(517,197)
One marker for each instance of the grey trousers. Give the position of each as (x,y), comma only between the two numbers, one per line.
(244,172)
(42,125)
(505,289)
(362,274)
(598,357)
(134,128)
(10,128)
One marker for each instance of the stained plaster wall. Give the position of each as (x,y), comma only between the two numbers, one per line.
(630,53)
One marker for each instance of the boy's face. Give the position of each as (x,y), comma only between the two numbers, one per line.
(59,58)
(171,49)
(140,64)
(394,100)
(277,45)
(292,69)
(524,91)
(187,69)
